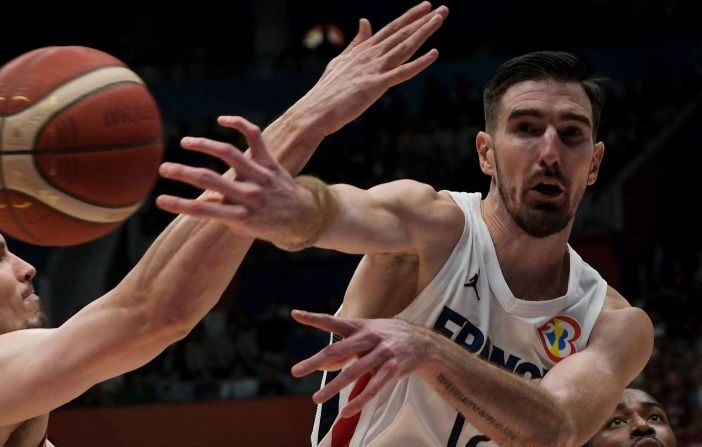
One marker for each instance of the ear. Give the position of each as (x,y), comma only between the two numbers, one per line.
(486,152)
(595,162)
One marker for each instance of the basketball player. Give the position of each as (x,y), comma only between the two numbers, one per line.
(189,265)
(638,421)
(500,334)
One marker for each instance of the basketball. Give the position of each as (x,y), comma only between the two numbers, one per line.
(80,145)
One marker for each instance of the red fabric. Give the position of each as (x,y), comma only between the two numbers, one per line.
(343,430)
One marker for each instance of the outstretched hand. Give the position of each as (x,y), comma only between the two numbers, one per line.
(261,201)
(388,348)
(371,64)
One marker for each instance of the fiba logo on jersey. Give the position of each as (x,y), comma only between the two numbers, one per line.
(558,337)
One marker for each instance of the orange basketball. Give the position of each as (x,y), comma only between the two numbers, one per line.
(80,144)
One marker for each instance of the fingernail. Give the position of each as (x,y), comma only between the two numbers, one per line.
(187,140)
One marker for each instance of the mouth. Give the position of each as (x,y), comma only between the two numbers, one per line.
(547,190)
(28,293)
(647,442)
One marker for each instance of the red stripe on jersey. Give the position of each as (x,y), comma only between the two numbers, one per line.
(343,430)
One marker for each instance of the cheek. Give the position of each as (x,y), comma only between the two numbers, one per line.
(508,175)
(666,435)
(615,438)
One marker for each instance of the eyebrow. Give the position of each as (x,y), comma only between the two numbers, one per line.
(646,405)
(518,113)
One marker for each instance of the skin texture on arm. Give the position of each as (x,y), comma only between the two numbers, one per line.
(393,217)
(390,275)
(188,266)
(564,410)
(265,202)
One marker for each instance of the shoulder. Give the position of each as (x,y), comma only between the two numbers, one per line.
(619,316)
(420,200)
(623,329)
(614,300)
(408,190)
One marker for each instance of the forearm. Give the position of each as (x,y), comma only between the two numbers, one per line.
(509,409)
(295,135)
(187,268)
(388,218)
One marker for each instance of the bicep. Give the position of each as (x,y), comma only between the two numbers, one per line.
(28,363)
(387,218)
(46,368)
(587,388)
(382,286)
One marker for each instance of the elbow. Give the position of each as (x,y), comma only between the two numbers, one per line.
(171,323)
(561,434)
(162,324)
(174,326)
(565,434)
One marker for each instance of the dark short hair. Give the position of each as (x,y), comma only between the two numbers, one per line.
(539,66)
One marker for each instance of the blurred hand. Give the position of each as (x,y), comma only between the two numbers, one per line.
(388,348)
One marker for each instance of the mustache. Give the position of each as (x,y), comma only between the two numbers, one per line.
(550,172)
(28,290)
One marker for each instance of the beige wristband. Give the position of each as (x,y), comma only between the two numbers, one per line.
(326,204)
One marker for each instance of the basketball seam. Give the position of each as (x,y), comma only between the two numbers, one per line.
(39,241)
(101,205)
(12,86)
(48,120)
(81,149)
(83,96)
(35,60)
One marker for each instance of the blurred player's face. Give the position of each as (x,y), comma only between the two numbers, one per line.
(20,307)
(638,421)
(544,154)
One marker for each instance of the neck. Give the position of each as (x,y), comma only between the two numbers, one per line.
(534,268)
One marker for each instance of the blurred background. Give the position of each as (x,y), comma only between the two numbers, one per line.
(227,383)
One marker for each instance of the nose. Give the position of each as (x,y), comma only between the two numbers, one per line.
(24,270)
(550,154)
(640,428)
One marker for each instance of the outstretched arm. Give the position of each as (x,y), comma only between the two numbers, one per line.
(565,409)
(264,201)
(186,269)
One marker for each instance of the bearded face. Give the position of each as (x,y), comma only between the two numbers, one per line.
(20,307)
(544,155)
(543,205)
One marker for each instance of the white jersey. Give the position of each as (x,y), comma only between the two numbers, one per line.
(469,302)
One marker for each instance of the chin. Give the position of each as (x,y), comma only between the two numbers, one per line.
(541,223)
(38,321)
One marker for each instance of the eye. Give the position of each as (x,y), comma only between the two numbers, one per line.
(525,127)
(656,418)
(572,132)
(616,422)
